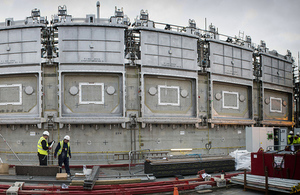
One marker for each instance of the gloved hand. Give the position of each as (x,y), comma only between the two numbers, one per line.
(49,148)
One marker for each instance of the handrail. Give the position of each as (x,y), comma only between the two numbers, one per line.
(270,146)
(267,149)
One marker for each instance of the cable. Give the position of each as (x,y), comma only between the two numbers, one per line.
(208,145)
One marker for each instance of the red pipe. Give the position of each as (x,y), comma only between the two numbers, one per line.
(160,183)
(167,188)
(4,186)
(121,190)
(136,188)
(229,175)
(102,187)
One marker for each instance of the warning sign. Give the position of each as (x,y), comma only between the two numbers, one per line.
(278,162)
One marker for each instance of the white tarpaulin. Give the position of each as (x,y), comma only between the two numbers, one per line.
(242,159)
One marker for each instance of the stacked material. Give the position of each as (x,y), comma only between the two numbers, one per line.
(132,188)
(36,170)
(242,159)
(61,176)
(91,180)
(4,168)
(187,165)
(274,184)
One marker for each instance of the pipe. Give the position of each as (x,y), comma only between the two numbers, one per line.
(112,186)
(98,10)
(133,190)
(152,187)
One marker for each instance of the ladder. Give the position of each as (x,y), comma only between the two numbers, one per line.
(10,148)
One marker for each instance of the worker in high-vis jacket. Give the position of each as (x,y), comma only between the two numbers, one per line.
(290,140)
(43,147)
(63,151)
(296,141)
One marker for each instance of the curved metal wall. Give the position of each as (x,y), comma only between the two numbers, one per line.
(92,73)
(277,70)
(167,49)
(20,75)
(230,59)
(20,46)
(91,44)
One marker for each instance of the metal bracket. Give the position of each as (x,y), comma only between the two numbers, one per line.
(50,120)
(133,120)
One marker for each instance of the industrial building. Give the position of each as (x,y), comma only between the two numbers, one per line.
(117,86)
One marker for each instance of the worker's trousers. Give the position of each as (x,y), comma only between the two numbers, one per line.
(42,159)
(292,148)
(66,163)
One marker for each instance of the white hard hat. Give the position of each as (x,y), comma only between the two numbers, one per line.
(67,137)
(298,133)
(46,133)
(291,132)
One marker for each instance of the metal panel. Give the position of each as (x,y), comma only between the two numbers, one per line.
(231,101)
(19,96)
(169,96)
(283,136)
(20,46)
(15,97)
(132,88)
(255,101)
(276,105)
(87,94)
(257,137)
(90,44)
(230,60)
(168,50)
(203,95)
(277,71)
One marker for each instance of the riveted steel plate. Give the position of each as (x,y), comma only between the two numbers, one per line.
(230,59)
(90,44)
(229,104)
(92,99)
(274,108)
(168,100)
(20,46)
(168,50)
(14,100)
(277,71)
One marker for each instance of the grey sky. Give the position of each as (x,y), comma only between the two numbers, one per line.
(274,21)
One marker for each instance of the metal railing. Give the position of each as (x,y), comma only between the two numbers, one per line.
(282,147)
(140,156)
(32,158)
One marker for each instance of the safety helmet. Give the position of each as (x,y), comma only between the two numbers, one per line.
(46,133)
(67,137)
(298,133)
(291,132)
